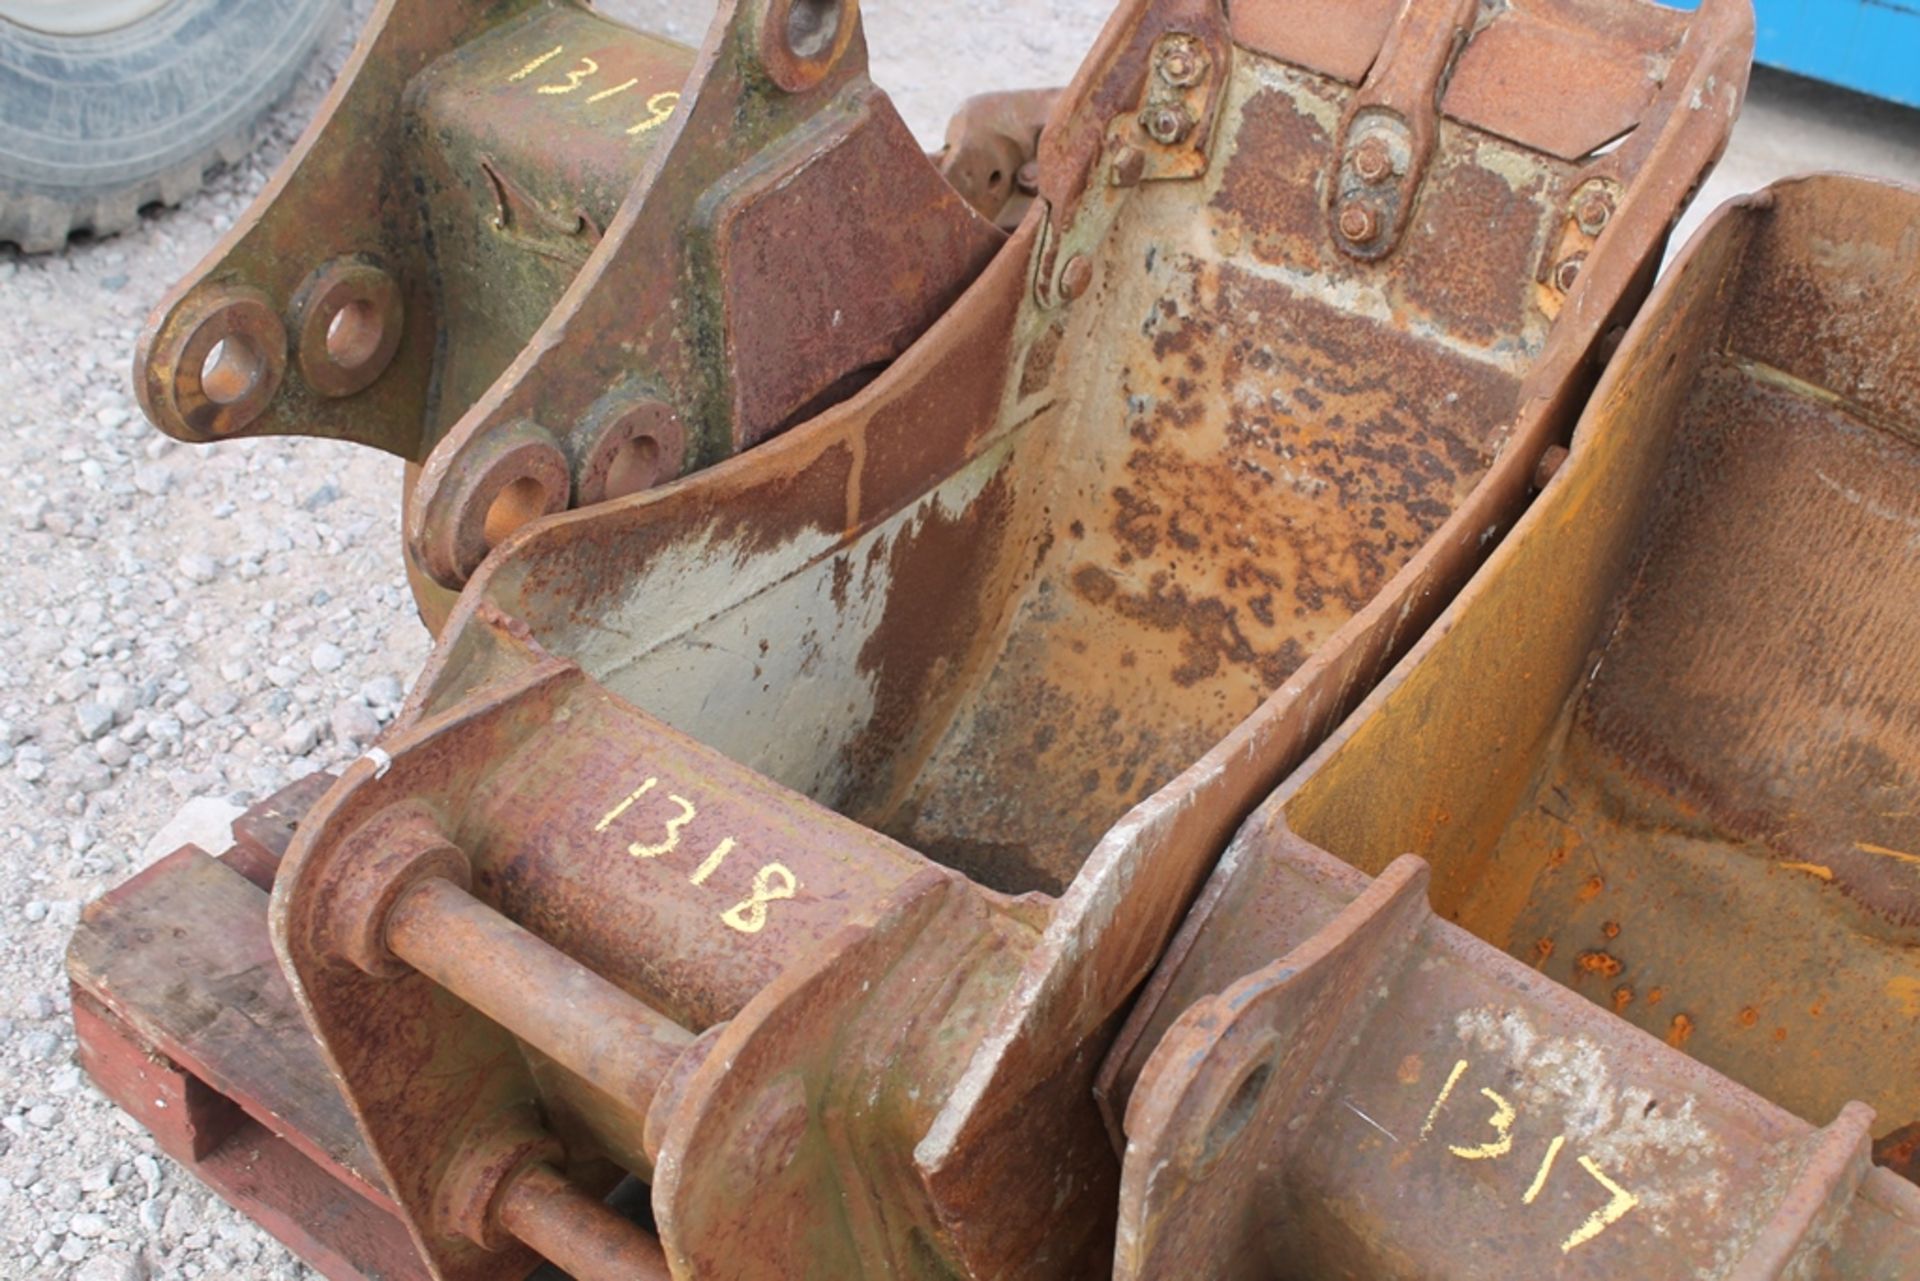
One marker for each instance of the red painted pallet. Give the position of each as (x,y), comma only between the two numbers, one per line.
(185,1020)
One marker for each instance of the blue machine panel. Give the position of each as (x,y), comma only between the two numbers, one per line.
(1869,45)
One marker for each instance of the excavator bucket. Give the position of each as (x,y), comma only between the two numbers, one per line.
(790,832)
(1587,944)
(551,260)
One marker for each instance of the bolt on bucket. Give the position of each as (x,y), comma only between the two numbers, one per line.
(1660,765)
(850,788)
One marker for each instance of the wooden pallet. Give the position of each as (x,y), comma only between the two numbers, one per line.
(186,1021)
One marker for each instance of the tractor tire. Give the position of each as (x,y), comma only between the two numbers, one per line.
(110,106)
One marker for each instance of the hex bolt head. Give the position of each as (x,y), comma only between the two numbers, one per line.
(1372,161)
(1358,222)
(1567,272)
(1075,277)
(1166,125)
(1129,164)
(1180,66)
(1592,213)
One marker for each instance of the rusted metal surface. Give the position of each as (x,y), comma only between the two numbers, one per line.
(990,155)
(1389,1097)
(543,1208)
(589,1026)
(1662,754)
(779,246)
(568,759)
(884,758)
(643,259)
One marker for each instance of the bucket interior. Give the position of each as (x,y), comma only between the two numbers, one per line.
(1708,819)
(1192,476)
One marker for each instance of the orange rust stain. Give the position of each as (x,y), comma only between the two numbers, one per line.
(1611,929)
(1622,998)
(1409,1072)
(1599,963)
(1818,1008)
(1905,991)
(1591,890)
(1749,1016)
(1656,995)
(1678,1031)
(1542,950)
(1779,1034)
(1094,583)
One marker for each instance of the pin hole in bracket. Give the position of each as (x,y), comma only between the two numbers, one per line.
(800,41)
(1228,1116)
(518,476)
(347,319)
(211,370)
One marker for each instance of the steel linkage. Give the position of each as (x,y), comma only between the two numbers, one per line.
(870,629)
(554,260)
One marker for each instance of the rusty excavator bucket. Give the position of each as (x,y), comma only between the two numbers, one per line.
(861,629)
(553,261)
(1588,941)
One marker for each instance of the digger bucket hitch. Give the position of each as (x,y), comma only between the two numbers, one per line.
(553,260)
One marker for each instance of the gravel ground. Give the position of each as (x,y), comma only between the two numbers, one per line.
(191,629)
(181,625)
